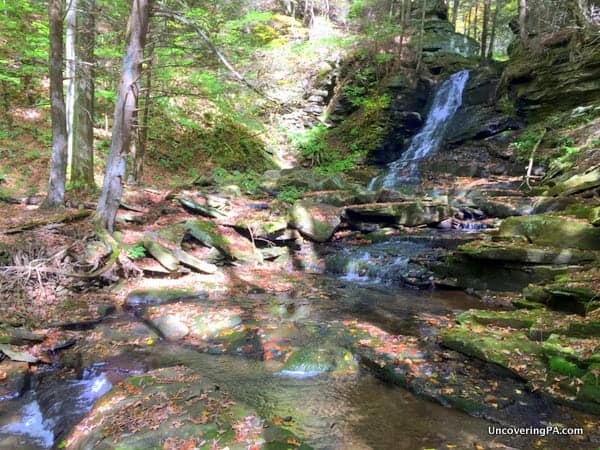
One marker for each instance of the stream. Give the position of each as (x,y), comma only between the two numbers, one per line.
(350,411)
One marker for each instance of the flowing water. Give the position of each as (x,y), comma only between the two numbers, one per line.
(447,100)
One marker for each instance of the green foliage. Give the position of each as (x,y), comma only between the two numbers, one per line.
(136,251)
(249,181)
(313,144)
(290,194)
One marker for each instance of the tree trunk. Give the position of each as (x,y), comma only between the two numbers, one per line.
(485,26)
(474,21)
(490,53)
(138,160)
(124,109)
(467,24)
(58,161)
(421,34)
(455,5)
(70,68)
(82,128)
(523,32)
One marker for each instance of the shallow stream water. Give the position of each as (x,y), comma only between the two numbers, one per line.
(355,411)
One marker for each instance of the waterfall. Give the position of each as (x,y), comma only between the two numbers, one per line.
(447,100)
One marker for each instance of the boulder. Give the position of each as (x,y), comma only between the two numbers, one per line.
(553,231)
(315,221)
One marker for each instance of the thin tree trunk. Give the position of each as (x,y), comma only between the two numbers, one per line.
(112,188)
(82,130)
(523,32)
(490,53)
(474,22)
(455,6)
(421,34)
(138,160)
(467,19)
(485,26)
(58,161)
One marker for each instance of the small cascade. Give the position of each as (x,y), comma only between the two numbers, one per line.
(447,100)
(47,412)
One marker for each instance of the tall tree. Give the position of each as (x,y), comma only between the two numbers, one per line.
(137,169)
(485,27)
(112,189)
(498,7)
(81,134)
(58,161)
(70,64)
(523,31)
(455,6)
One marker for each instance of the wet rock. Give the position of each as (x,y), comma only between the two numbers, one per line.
(314,220)
(311,362)
(14,377)
(210,326)
(153,297)
(409,214)
(149,410)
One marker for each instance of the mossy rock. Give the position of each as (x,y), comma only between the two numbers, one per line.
(577,183)
(315,221)
(564,297)
(553,231)
(501,348)
(149,412)
(516,252)
(581,352)
(314,361)
(209,326)
(590,391)
(471,273)
(224,239)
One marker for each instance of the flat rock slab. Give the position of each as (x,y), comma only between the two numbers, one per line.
(410,214)
(175,407)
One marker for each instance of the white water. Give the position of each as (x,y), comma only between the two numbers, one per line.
(75,399)
(446,102)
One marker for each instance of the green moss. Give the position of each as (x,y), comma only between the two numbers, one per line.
(561,366)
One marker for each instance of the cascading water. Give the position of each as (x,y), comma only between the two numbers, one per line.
(447,100)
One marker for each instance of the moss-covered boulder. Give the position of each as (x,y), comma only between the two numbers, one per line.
(553,231)
(577,183)
(571,293)
(310,362)
(316,221)
(517,252)
(174,407)
(410,214)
